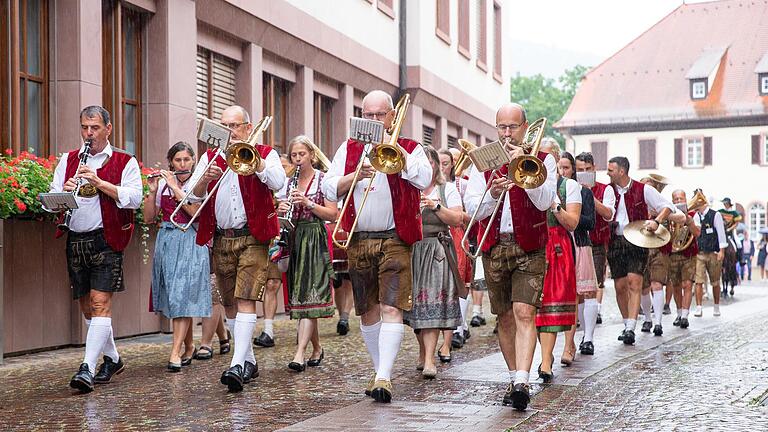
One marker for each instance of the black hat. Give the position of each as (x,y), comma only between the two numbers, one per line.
(726,201)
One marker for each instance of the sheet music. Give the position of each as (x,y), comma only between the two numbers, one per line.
(213,134)
(366,131)
(490,156)
(58,201)
(586,178)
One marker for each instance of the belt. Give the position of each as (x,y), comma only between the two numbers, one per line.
(439,235)
(233,232)
(506,237)
(87,234)
(376,235)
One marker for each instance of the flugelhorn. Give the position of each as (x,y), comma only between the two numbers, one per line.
(463,162)
(682,237)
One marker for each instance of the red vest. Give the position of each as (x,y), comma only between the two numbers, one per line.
(118,222)
(688,252)
(530,223)
(634,201)
(405,196)
(601,234)
(257,199)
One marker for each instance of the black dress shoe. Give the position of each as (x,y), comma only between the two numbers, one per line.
(457,341)
(467,335)
(233,378)
(83,379)
(517,395)
(683,323)
(623,333)
(676,322)
(646,328)
(342,327)
(587,348)
(477,321)
(599,319)
(629,337)
(546,377)
(581,344)
(316,362)
(250,371)
(264,340)
(298,367)
(109,369)
(657,330)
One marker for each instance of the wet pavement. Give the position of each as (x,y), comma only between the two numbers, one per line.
(713,376)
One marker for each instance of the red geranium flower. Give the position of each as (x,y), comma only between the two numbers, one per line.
(20,205)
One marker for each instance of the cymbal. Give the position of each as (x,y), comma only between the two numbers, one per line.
(636,234)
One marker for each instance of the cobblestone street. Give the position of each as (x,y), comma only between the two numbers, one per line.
(713,376)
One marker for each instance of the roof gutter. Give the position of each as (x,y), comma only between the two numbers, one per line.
(402,44)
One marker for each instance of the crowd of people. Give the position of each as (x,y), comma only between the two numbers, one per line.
(399,259)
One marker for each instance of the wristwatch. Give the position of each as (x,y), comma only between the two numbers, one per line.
(557,209)
(438,207)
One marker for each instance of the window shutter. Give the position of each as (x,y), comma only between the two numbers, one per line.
(755,149)
(707,151)
(600,154)
(223,84)
(453,142)
(678,152)
(647,154)
(427,135)
(202,84)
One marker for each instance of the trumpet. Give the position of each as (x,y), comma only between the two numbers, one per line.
(526,171)
(682,237)
(242,159)
(385,158)
(175,173)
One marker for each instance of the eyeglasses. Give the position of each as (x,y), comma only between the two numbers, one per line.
(512,127)
(375,115)
(233,125)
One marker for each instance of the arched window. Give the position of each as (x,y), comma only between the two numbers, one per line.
(756,219)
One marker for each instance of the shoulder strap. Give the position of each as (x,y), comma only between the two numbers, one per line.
(441,190)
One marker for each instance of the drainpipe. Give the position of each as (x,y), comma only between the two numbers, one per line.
(403,66)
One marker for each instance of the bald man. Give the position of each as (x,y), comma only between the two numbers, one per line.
(380,247)
(513,254)
(241,220)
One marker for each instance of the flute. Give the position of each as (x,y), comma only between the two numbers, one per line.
(176,173)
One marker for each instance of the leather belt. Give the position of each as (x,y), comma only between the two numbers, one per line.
(507,237)
(233,232)
(376,235)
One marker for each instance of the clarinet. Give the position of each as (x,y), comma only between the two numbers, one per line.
(64,225)
(284,230)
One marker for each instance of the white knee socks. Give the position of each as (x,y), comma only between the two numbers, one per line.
(590,318)
(645,305)
(268,327)
(243,332)
(389,344)
(581,314)
(371,338)
(110,349)
(463,307)
(98,334)
(658,306)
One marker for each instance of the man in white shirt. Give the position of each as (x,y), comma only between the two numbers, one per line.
(379,249)
(241,220)
(98,232)
(709,262)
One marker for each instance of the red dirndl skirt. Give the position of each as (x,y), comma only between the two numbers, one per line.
(558,306)
(464,263)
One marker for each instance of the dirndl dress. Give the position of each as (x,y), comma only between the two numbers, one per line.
(586,276)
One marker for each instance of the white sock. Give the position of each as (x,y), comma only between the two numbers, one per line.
(268,327)
(599,307)
(626,323)
(581,314)
(679,312)
(658,306)
(110,349)
(230,325)
(630,324)
(684,313)
(389,344)
(463,306)
(477,310)
(645,305)
(98,333)
(243,332)
(521,377)
(512,374)
(371,338)
(590,318)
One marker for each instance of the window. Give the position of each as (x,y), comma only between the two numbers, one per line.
(497,41)
(698,89)
(323,123)
(453,142)
(694,152)
(275,104)
(427,135)
(647,153)
(763,82)
(443,20)
(482,35)
(24,76)
(387,7)
(756,220)
(215,86)
(357,111)
(464,28)
(600,154)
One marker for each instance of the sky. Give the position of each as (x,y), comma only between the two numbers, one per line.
(570,32)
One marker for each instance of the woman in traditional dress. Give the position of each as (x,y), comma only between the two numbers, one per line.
(180,274)
(310,270)
(436,282)
(558,306)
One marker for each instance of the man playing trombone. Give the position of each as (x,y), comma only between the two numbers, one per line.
(380,246)
(513,254)
(240,218)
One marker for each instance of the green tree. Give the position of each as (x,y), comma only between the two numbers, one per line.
(546,97)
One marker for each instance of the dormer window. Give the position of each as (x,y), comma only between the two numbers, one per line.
(703,72)
(763,81)
(699,89)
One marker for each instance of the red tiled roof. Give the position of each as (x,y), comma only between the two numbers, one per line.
(645,82)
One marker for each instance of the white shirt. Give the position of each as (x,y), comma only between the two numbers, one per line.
(87,217)
(717,222)
(652,198)
(162,190)
(283,193)
(609,200)
(452,196)
(377,215)
(229,208)
(542,197)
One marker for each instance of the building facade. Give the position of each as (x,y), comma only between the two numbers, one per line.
(160,65)
(687,99)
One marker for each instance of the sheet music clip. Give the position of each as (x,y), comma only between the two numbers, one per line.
(285,223)
(58,201)
(366,131)
(213,134)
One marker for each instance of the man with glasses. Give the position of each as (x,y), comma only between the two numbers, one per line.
(241,220)
(380,247)
(513,254)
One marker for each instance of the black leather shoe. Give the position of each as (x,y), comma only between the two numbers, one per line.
(683,323)
(477,321)
(646,328)
(316,362)
(444,359)
(676,323)
(233,378)
(667,310)
(599,318)
(581,344)
(109,369)
(457,341)
(264,340)
(623,333)
(298,367)
(467,335)
(587,348)
(250,371)
(546,377)
(83,379)
(342,327)
(629,337)
(657,330)
(518,396)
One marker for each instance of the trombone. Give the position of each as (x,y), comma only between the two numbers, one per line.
(241,157)
(526,171)
(386,158)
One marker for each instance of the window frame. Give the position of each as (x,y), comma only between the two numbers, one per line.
(322,122)
(272,85)
(443,20)
(754,230)
(650,142)
(497,41)
(694,83)
(687,142)
(764,149)
(762,83)
(602,164)
(482,36)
